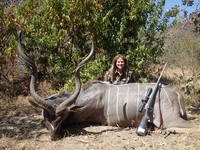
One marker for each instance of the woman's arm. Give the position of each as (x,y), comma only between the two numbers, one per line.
(107,77)
(129,78)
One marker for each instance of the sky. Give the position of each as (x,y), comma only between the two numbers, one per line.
(171,3)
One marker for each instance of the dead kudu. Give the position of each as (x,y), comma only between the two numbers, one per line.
(104,103)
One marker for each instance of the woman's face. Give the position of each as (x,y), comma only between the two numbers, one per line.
(120,63)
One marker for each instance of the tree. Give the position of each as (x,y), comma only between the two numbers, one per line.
(57,34)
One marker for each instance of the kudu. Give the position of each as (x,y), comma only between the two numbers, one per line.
(104,103)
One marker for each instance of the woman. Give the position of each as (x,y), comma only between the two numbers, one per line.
(119,72)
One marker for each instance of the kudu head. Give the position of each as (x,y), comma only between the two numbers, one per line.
(57,110)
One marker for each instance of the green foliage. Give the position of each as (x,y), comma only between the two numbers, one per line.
(7,28)
(148,44)
(130,28)
(94,69)
(55,31)
(188,2)
(180,13)
(58,33)
(174,11)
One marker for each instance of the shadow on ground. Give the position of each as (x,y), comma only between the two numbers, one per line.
(24,122)
(19,122)
(79,129)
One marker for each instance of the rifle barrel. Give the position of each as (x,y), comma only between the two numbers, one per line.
(162,72)
(149,106)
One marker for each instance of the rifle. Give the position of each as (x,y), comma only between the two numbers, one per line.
(148,106)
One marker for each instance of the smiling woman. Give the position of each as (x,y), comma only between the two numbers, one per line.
(119,72)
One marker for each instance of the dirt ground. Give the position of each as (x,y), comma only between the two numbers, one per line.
(20,129)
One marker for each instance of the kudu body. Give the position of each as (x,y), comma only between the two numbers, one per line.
(104,103)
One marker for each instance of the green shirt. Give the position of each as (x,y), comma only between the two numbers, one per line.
(125,78)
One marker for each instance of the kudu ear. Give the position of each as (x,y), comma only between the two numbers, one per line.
(75,108)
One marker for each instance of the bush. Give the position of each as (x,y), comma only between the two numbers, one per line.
(182,53)
(57,34)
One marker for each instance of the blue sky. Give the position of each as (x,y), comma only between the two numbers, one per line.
(171,3)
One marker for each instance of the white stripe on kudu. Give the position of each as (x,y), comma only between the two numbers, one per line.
(108,106)
(138,99)
(117,104)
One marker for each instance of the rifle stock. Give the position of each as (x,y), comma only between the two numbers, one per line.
(147,118)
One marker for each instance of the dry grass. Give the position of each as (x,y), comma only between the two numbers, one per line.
(12,144)
(45,89)
(20,127)
(182,54)
(20,130)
